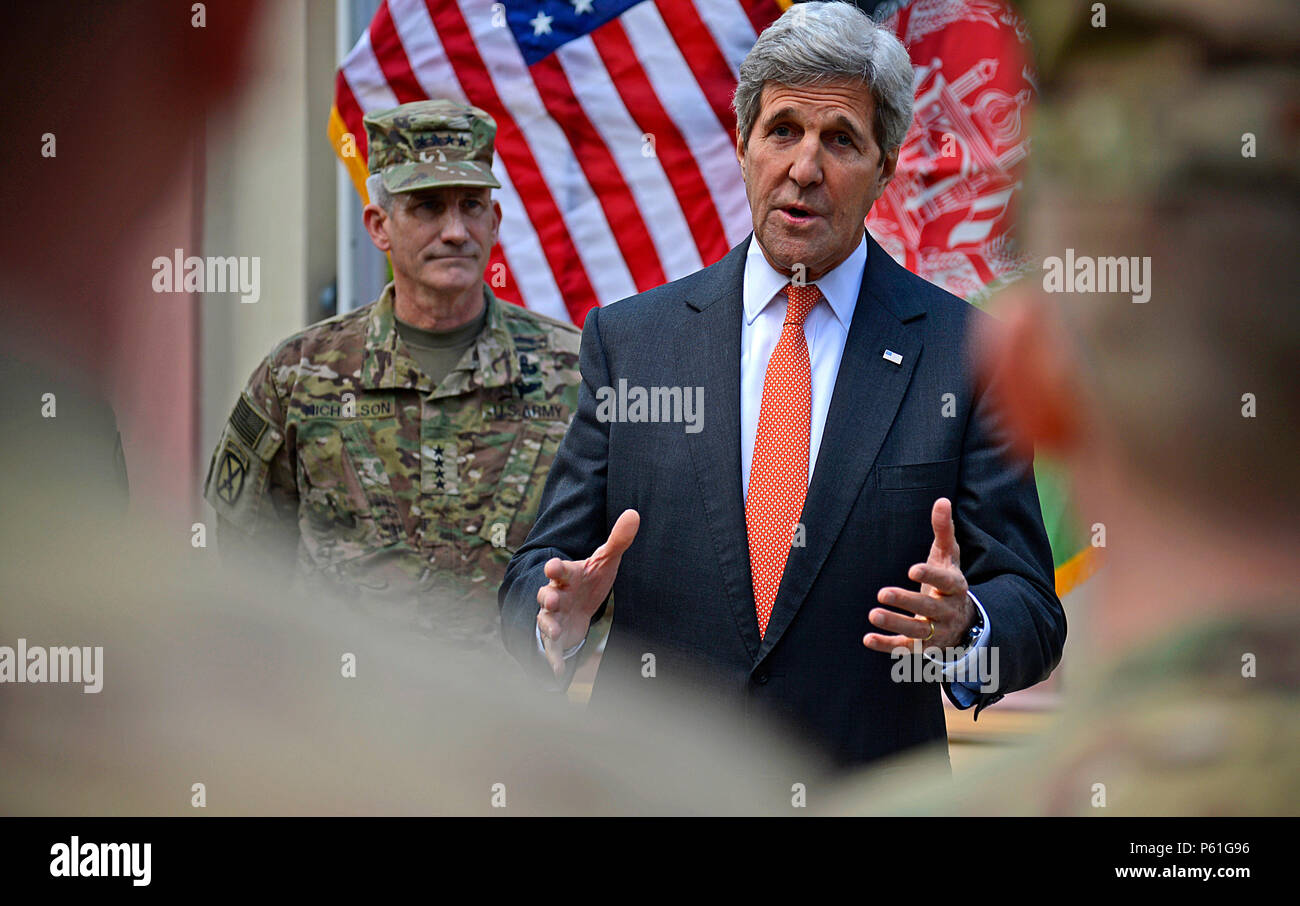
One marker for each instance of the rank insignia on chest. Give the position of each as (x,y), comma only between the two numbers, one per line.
(530,380)
(438,468)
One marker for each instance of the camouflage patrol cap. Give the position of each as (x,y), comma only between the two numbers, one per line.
(426,144)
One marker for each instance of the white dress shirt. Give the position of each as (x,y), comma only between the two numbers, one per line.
(826,329)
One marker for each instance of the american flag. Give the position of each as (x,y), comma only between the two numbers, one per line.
(615,135)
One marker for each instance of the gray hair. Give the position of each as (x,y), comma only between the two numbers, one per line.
(378,193)
(816,43)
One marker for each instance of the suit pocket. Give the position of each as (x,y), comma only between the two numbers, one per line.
(937,475)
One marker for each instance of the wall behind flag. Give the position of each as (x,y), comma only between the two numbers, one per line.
(269,193)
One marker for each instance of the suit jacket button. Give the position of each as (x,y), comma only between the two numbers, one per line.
(761,679)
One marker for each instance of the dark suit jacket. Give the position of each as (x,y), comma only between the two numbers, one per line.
(684,591)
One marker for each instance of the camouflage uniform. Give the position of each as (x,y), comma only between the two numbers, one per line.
(396,485)
(407,493)
(1178,728)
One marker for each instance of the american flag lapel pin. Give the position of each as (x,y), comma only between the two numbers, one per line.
(891,356)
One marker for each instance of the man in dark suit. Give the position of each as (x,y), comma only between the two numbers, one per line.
(746,542)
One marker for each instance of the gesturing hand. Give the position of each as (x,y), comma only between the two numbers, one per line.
(944,614)
(577,589)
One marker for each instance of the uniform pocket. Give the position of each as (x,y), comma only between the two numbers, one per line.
(519,491)
(346,504)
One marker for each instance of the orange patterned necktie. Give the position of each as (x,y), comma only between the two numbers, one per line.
(778,475)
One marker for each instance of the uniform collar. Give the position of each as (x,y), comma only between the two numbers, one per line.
(491,361)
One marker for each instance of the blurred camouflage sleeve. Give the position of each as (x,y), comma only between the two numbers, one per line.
(251,481)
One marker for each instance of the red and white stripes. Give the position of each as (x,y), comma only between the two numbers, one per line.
(616,153)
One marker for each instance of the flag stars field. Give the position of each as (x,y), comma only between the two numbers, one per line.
(541,24)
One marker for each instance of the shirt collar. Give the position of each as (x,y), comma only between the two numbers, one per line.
(491,361)
(840,286)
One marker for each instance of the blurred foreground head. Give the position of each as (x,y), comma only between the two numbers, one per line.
(284,706)
(105,102)
(1167,141)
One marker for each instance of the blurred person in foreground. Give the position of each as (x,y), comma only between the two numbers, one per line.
(75,196)
(399,450)
(211,698)
(214,701)
(1179,416)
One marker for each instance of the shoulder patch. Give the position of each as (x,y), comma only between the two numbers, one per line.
(247,422)
(232,469)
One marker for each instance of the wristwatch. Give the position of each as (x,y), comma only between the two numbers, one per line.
(975,631)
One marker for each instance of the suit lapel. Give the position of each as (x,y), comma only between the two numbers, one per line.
(710,348)
(868,391)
